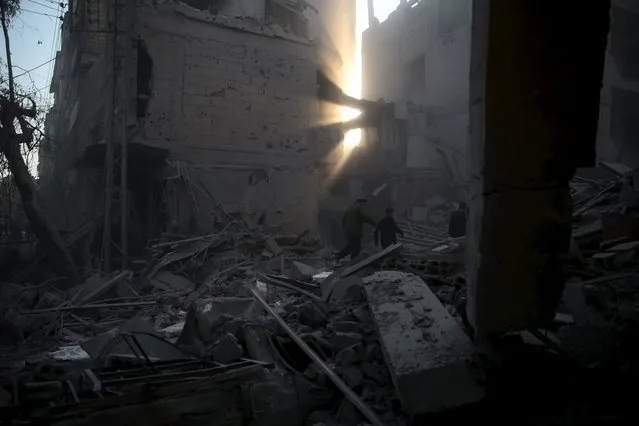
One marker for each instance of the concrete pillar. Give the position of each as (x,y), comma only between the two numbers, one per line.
(536,73)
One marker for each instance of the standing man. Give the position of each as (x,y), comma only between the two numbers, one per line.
(387,229)
(353,223)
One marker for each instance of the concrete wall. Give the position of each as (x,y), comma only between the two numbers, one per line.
(421,54)
(618,135)
(230,99)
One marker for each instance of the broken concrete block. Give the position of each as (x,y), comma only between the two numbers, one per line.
(227,349)
(426,351)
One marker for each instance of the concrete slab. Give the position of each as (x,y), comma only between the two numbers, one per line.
(427,352)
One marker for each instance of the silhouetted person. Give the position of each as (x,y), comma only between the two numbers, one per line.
(387,230)
(457,224)
(353,223)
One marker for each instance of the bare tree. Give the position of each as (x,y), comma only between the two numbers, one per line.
(17,112)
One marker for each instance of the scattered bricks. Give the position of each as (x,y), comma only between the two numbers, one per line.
(426,351)
(344,340)
(227,349)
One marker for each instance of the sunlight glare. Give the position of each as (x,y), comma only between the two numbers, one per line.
(353,137)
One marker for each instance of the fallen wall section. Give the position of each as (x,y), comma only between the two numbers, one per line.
(427,352)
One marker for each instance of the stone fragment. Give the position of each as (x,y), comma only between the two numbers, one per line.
(227,349)
(426,351)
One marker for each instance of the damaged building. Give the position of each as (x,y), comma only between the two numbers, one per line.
(420,55)
(203,140)
(414,157)
(216,101)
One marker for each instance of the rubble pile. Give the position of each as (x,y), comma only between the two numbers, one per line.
(263,324)
(185,322)
(602,292)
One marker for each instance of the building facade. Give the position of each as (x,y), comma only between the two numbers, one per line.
(222,117)
(421,55)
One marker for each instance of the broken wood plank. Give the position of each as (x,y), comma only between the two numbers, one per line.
(183,241)
(95,306)
(301,284)
(392,249)
(283,284)
(104,287)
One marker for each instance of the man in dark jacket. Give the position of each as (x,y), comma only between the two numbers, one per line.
(353,223)
(387,230)
(457,225)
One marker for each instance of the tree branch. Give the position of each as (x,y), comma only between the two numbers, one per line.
(7,47)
